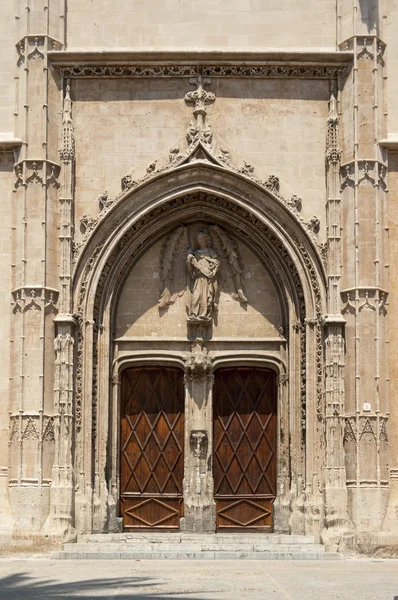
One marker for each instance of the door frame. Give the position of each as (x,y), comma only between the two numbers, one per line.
(271,359)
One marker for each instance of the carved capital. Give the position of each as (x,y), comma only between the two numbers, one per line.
(198,366)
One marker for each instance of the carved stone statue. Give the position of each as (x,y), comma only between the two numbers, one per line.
(198,270)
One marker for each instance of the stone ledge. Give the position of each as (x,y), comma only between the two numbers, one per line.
(300,56)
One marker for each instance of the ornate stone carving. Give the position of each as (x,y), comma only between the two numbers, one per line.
(333,152)
(242,70)
(198,365)
(48,431)
(314,224)
(87,223)
(67,152)
(200,98)
(36,174)
(209,259)
(283,378)
(35,298)
(32,171)
(52,178)
(105,203)
(345,176)
(37,43)
(199,442)
(295,202)
(220,203)
(355,300)
(30,430)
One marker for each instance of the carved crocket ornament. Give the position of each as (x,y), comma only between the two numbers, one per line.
(198,268)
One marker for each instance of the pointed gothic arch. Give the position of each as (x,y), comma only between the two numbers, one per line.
(257,217)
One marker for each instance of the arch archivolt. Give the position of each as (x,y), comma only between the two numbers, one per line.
(258,220)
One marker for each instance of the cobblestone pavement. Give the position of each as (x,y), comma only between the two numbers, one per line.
(367,579)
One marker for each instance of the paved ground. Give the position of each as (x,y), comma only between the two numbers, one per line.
(42,579)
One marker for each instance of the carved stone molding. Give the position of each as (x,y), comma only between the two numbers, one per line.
(370,172)
(31,426)
(366,47)
(34,47)
(240,70)
(355,300)
(200,149)
(37,171)
(35,298)
(373,425)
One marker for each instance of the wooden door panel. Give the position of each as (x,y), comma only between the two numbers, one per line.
(151,448)
(244,447)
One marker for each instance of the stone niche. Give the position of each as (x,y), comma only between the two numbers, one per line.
(138,314)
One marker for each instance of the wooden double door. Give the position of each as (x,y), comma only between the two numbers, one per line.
(152,448)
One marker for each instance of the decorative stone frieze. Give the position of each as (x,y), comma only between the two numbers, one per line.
(242,71)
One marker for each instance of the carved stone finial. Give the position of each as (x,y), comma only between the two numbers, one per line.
(200,97)
(67,152)
(333,152)
(198,365)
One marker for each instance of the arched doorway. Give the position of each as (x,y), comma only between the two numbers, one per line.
(293,350)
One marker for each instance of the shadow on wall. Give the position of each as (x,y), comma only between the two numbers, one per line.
(370,15)
(21,586)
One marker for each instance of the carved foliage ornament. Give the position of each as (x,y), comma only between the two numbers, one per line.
(197,267)
(244,70)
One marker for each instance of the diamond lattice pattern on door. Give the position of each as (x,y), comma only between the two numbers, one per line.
(152,440)
(244,447)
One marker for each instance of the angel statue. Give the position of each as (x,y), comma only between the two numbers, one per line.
(198,270)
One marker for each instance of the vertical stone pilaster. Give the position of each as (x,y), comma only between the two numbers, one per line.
(364,291)
(35,284)
(338,532)
(198,486)
(59,521)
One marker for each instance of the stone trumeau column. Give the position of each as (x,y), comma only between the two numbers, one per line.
(35,267)
(364,291)
(338,532)
(198,485)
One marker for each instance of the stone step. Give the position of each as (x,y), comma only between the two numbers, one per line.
(192,547)
(178,538)
(177,555)
(177,545)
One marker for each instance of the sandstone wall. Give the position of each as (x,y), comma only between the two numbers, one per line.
(279,126)
(208,24)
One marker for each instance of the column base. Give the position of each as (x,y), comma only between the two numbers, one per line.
(199,519)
